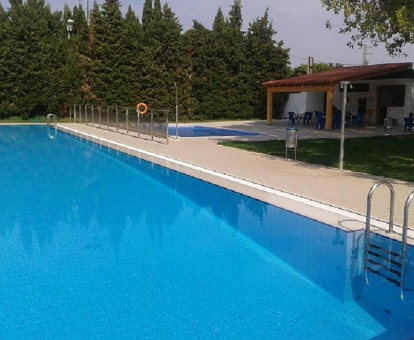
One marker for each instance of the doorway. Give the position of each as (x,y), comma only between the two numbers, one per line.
(362,105)
(389,96)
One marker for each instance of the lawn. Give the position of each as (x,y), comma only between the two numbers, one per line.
(388,156)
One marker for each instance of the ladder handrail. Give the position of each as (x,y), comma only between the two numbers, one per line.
(368,217)
(404,238)
(369,203)
(54,119)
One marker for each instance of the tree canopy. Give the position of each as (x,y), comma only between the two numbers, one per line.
(119,59)
(302,69)
(381,21)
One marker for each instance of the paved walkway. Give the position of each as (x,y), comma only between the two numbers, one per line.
(278,130)
(346,190)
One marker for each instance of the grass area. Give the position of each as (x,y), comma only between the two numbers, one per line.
(34,120)
(388,156)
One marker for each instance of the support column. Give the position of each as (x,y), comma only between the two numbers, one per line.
(269,107)
(329,104)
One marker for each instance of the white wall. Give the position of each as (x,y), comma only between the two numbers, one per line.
(314,101)
(302,102)
(372,96)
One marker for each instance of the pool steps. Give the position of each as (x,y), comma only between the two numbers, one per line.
(386,263)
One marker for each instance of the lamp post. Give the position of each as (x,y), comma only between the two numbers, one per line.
(69,27)
(176,110)
(344,85)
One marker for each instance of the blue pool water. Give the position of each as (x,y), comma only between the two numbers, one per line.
(99,245)
(202,131)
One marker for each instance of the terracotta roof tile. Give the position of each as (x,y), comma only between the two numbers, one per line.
(337,75)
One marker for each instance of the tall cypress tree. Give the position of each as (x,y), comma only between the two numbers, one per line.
(134,43)
(3,69)
(267,60)
(109,55)
(235,16)
(147,13)
(165,54)
(35,58)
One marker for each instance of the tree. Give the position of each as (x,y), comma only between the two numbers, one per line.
(3,69)
(110,57)
(164,55)
(147,13)
(136,57)
(267,60)
(33,53)
(386,21)
(318,67)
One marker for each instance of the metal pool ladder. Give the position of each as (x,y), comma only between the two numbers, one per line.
(49,133)
(51,115)
(378,260)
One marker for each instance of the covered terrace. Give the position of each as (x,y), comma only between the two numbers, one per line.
(328,82)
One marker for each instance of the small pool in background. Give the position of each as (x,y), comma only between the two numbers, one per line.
(96,244)
(202,131)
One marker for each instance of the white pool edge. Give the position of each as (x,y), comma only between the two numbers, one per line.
(277,193)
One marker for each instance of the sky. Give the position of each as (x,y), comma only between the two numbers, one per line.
(299,23)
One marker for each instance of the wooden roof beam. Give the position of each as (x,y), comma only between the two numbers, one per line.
(296,89)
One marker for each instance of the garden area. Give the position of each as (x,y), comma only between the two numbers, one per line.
(387,156)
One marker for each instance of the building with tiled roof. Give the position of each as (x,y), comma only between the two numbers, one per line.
(379,91)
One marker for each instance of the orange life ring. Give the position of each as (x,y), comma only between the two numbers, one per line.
(142,108)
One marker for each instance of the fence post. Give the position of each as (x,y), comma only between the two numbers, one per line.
(74,112)
(99,111)
(127,121)
(86,115)
(167,132)
(152,126)
(93,118)
(107,116)
(139,127)
(80,114)
(116,118)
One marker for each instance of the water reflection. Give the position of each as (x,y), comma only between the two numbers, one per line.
(83,196)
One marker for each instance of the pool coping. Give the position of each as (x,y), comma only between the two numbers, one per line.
(331,215)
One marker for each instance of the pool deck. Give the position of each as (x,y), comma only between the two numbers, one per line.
(325,194)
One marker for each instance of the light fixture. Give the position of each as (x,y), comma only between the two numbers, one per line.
(69,27)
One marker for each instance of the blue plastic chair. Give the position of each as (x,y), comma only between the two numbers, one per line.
(408,124)
(320,121)
(336,121)
(360,119)
(307,118)
(292,118)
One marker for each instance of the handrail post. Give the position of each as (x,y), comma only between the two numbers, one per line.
(127,121)
(404,240)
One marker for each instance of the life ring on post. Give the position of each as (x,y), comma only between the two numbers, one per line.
(142,108)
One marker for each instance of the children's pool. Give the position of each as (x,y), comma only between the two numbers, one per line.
(96,244)
(202,131)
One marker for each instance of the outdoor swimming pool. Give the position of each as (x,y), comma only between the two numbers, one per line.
(96,244)
(202,131)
